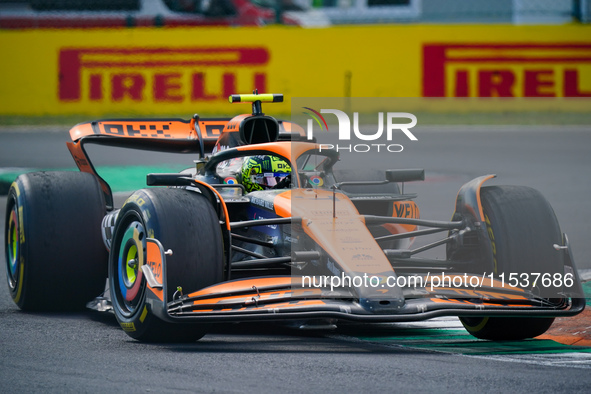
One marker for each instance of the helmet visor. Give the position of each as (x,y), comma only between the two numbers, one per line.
(268,179)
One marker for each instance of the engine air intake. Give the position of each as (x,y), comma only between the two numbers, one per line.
(259,129)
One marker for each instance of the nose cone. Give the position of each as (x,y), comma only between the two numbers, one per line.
(380,294)
(354,256)
(384,306)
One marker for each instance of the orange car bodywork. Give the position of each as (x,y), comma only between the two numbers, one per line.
(327,218)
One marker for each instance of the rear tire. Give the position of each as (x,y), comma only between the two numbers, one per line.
(55,256)
(182,221)
(522,228)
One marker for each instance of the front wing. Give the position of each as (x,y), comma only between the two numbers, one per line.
(284,298)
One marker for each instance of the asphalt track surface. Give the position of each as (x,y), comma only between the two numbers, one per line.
(86,352)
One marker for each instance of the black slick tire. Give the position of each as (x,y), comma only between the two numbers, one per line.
(184,222)
(522,228)
(55,256)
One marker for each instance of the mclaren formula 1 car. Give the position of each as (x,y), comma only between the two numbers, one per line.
(261,228)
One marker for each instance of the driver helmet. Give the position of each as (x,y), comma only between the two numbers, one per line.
(264,172)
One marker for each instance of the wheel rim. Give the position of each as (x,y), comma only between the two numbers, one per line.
(474,324)
(12,247)
(130,260)
(130,269)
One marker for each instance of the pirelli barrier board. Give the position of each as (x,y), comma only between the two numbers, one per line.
(178,70)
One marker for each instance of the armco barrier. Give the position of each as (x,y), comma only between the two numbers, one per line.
(178,70)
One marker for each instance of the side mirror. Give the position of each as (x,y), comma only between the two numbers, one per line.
(406,175)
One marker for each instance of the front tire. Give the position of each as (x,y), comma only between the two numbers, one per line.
(182,221)
(506,328)
(522,228)
(55,256)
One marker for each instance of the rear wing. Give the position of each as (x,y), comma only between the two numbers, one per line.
(174,135)
(164,135)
